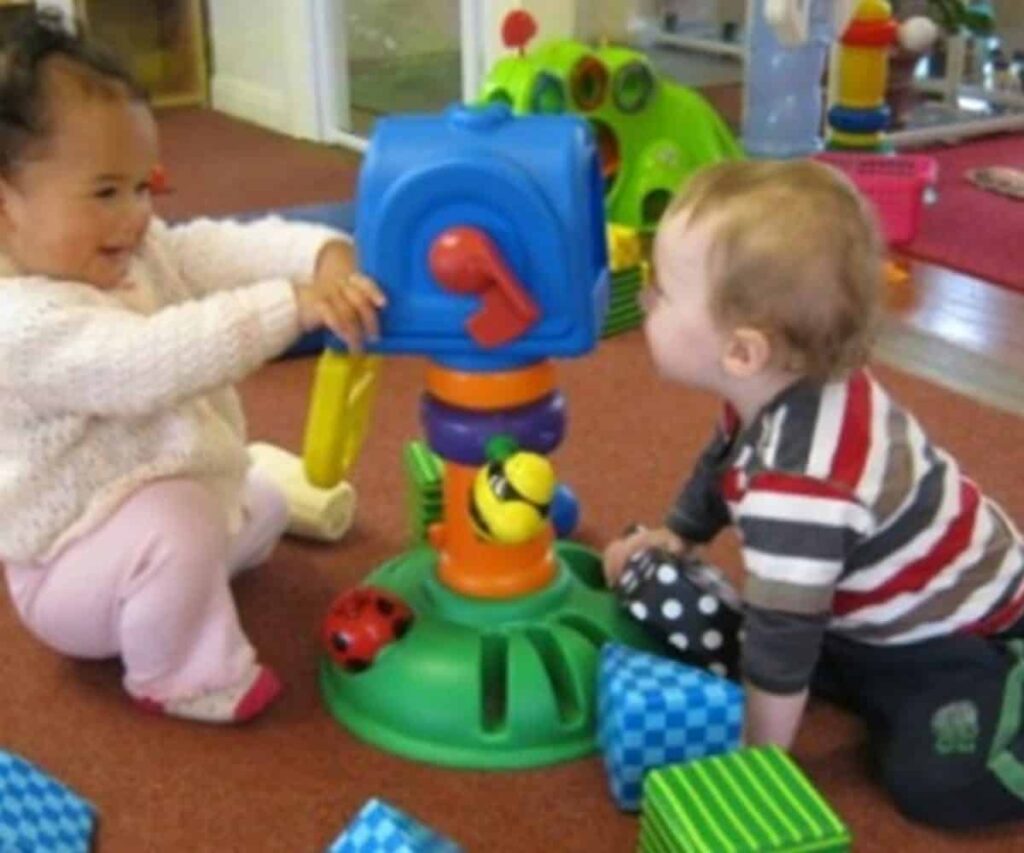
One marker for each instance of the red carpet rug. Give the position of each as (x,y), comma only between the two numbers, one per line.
(292,779)
(970,229)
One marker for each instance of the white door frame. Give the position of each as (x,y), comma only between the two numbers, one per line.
(473,23)
(329,46)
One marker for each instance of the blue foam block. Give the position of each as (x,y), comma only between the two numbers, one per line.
(381,828)
(39,813)
(653,711)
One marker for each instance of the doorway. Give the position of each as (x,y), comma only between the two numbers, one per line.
(377,57)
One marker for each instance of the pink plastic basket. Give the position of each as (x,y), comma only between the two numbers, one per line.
(894,183)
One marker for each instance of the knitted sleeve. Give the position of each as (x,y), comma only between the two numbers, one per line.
(63,353)
(221,254)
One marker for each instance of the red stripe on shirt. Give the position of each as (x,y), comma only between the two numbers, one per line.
(851,453)
(918,574)
(731,489)
(795,484)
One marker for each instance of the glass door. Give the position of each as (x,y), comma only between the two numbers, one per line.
(377,57)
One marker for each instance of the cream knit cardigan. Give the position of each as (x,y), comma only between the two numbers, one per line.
(102,391)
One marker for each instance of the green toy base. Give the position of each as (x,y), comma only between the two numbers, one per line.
(485,684)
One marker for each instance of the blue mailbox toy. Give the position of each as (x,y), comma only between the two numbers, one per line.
(487,233)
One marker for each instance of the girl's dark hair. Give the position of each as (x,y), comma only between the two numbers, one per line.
(24,117)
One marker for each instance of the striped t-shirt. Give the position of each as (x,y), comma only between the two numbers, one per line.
(851,521)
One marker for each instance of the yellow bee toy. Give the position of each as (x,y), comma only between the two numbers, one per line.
(511,496)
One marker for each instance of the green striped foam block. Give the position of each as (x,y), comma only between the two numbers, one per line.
(743,801)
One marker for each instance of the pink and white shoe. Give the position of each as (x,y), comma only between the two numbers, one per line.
(235,704)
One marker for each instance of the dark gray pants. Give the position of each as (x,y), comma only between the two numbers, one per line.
(944,722)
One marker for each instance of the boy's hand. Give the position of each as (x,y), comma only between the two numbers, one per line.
(340,298)
(617,554)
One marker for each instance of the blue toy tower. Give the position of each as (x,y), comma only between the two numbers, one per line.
(487,233)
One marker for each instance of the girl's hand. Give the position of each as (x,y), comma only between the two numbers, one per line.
(617,554)
(341,298)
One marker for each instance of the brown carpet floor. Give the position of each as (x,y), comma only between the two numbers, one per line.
(290,781)
(219,166)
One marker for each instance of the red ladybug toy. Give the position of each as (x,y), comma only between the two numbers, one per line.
(361,622)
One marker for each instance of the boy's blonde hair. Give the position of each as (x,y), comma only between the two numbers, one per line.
(795,253)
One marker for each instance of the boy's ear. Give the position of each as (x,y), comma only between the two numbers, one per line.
(747,352)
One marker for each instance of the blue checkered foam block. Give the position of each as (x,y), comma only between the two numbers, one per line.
(38,813)
(381,828)
(653,711)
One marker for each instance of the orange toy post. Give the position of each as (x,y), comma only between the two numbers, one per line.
(467,563)
(494,390)
(473,567)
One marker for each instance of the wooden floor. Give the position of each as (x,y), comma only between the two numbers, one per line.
(970,313)
(958,331)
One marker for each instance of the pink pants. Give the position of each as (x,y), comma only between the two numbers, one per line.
(151,585)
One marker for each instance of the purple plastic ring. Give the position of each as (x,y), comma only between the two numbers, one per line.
(461,435)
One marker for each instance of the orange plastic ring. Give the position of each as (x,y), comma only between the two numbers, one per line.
(490,391)
(588,82)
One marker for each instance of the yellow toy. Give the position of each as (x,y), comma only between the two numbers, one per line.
(511,498)
(625,247)
(342,400)
(321,504)
(324,514)
(859,115)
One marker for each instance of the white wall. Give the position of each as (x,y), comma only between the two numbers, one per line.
(481,32)
(586,20)
(555,19)
(262,63)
